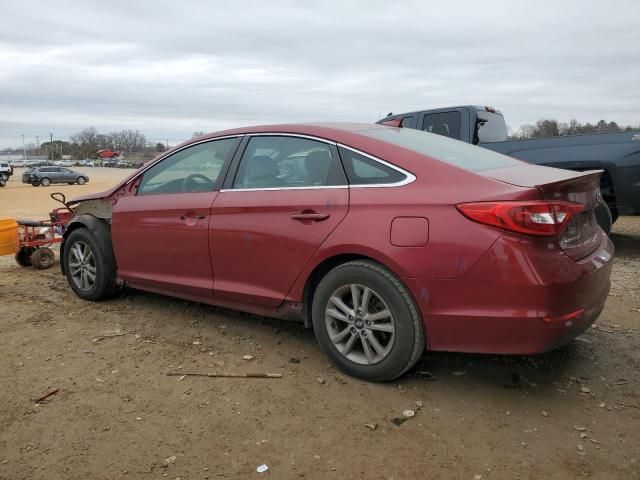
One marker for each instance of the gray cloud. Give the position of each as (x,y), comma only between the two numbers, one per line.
(169,68)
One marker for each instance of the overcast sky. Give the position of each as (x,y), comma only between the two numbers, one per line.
(170,68)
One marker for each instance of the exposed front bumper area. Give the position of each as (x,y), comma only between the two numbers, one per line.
(522,297)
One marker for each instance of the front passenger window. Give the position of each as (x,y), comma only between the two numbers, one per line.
(191,170)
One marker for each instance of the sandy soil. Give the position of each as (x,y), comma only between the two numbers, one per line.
(571,413)
(21,200)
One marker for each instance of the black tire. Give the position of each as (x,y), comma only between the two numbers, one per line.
(2,182)
(23,257)
(43,258)
(35,184)
(71,183)
(409,337)
(604,217)
(81,180)
(45,182)
(99,244)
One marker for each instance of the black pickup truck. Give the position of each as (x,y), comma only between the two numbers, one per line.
(617,154)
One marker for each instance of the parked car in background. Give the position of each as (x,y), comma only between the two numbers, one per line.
(17,163)
(124,164)
(86,163)
(67,163)
(617,154)
(108,153)
(45,176)
(6,170)
(385,240)
(35,163)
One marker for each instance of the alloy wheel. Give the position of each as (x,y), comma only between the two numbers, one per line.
(360,324)
(82,266)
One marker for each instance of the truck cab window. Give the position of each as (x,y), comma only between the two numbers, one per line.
(446,124)
(490,127)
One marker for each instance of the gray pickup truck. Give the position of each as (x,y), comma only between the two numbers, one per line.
(617,154)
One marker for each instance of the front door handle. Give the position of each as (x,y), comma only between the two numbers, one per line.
(310,216)
(199,217)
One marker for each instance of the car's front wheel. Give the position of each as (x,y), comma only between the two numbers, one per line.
(366,321)
(45,182)
(81,180)
(89,264)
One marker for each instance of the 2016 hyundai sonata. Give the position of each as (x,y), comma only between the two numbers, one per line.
(385,240)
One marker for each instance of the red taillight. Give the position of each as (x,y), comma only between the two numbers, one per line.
(541,218)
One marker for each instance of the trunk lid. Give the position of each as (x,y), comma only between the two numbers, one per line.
(581,235)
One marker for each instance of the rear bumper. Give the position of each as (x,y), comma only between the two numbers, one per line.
(522,297)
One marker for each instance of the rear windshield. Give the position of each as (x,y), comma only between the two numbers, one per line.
(441,148)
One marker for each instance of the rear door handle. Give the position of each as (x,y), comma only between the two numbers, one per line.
(199,217)
(315,217)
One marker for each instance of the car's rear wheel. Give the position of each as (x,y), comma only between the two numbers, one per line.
(35,184)
(45,182)
(89,264)
(81,180)
(366,321)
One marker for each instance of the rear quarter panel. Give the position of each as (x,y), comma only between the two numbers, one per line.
(454,243)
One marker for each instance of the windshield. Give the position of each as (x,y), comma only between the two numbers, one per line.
(490,128)
(441,148)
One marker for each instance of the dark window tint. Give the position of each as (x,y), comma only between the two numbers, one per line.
(362,170)
(191,170)
(446,124)
(281,162)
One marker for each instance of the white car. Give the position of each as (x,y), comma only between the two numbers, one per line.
(5,170)
(67,163)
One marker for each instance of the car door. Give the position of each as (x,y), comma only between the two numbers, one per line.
(160,226)
(65,175)
(282,199)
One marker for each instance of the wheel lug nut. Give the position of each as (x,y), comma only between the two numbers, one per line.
(353,329)
(364,333)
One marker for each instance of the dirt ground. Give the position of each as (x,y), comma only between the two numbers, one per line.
(571,413)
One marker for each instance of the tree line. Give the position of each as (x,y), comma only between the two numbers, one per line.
(553,128)
(86,142)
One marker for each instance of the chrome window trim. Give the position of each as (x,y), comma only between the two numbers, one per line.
(299,135)
(409,177)
(147,167)
(269,189)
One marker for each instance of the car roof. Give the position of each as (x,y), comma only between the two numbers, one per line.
(340,132)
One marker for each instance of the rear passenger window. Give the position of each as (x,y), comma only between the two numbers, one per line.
(286,162)
(446,124)
(362,170)
(407,122)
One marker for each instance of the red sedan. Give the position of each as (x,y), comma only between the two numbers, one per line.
(384,240)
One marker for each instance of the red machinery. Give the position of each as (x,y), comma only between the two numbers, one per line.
(36,236)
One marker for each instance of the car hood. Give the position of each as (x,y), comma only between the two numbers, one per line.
(103,194)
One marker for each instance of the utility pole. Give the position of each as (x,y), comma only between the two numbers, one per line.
(50,149)
(24,150)
(167,144)
(38,143)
